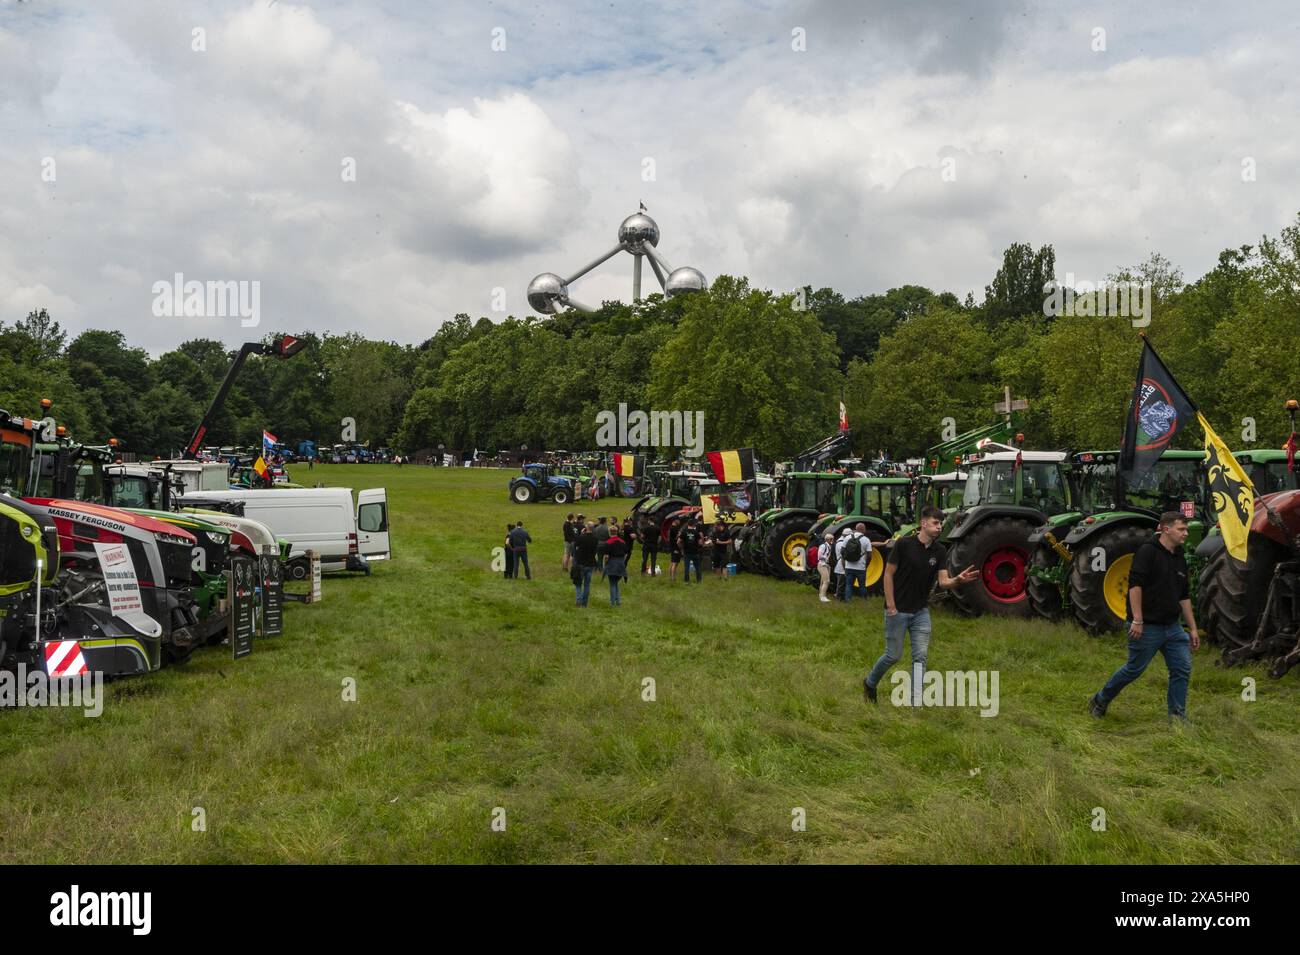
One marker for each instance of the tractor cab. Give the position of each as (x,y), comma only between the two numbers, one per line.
(1034,479)
(1268,470)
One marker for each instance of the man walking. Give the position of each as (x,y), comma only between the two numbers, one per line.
(1157,595)
(519,541)
(584,563)
(915,562)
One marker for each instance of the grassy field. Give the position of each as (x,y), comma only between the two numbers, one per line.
(475,692)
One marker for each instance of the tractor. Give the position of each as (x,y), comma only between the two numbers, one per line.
(1009,493)
(884,504)
(779,535)
(1102,543)
(539,483)
(1251,609)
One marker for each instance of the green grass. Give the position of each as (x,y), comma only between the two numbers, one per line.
(476,692)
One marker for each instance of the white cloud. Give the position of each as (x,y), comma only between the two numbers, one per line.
(476,170)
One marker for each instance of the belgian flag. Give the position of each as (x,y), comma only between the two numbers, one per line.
(733,467)
(628,465)
(1233,494)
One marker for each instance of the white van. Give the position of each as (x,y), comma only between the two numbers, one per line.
(322,519)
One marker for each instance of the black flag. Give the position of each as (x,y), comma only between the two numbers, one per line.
(1158,410)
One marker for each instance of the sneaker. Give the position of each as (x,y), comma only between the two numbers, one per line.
(1095,707)
(868,691)
(825,599)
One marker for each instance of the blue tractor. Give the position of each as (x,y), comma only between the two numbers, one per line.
(537,483)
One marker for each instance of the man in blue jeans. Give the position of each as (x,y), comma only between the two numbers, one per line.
(915,563)
(584,562)
(1157,595)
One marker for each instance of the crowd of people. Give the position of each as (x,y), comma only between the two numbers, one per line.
(916,565)
(605,545)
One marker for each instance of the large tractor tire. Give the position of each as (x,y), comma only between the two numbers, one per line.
(562,495)
(522,493)
(1045,596)
(1100,596)
(785,546)
(1221,608)
(999,550)
(747,550)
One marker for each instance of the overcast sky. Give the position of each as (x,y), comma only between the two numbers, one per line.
(476,168)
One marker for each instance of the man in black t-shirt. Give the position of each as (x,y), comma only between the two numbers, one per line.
(570,535)
(690,539)
(915,563)
(1157,596)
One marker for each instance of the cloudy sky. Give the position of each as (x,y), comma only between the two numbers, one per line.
(860,144)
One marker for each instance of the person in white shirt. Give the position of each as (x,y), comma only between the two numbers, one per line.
(825,557)
(853,566)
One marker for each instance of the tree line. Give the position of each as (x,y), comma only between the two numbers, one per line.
(768,370)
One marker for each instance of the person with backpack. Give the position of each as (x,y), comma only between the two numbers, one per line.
(615,551)
(855,550)
(584,564)
(825,560)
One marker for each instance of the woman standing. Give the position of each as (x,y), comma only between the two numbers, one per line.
(615,550)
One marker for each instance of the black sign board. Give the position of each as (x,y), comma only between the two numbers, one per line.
(272,596)
(242,590)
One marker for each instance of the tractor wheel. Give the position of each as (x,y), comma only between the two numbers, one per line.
(999,550)
(1100,596)
(748,551)
(561,495)
(522,493)
(785,546)
(1045,596)
(876,566)
(298,569)
(1221,602)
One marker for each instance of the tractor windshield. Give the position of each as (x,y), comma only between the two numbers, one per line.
(129,491)
(1043,487)
(994,482)
(1167,485)
(848,500)
(13,468)
(1097,488)
(90,482)
(886,501)
(812,494)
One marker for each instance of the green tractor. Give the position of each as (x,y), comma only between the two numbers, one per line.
(1102,543)
(884,504)
(1009,494)
(779,536)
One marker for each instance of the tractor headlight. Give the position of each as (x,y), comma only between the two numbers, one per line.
(219,539)
(173,539)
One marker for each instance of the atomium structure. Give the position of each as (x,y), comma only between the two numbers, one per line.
(548,293)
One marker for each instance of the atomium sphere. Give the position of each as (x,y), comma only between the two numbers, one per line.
(636,230)
(545,290)
(684,279)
